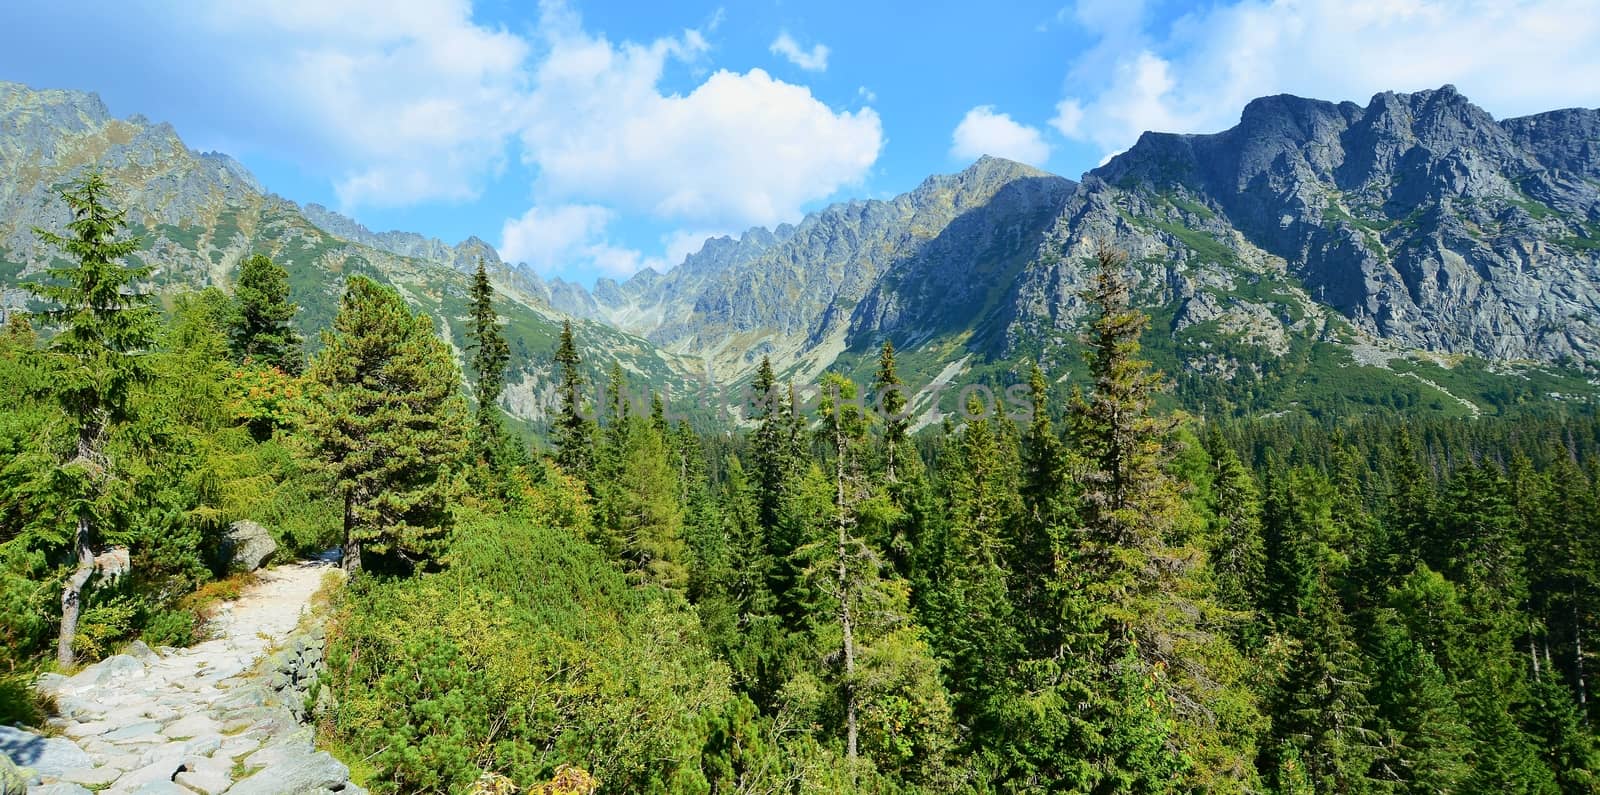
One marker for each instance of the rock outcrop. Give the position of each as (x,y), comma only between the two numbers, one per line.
(246,546)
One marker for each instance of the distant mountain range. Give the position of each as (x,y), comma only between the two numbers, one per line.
(200,214)
(1413,253)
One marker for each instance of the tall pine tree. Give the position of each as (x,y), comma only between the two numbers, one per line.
(260,330)
(386,420)
(1144,586)
(573,433)
(490,353)
(106,326)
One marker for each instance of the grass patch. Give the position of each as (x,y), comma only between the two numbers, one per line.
(1189,206)
(241,771)
(1206,247)
(19,702)
(1588,241)
(1539,210)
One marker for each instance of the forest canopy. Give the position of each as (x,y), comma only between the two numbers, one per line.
(1107,596)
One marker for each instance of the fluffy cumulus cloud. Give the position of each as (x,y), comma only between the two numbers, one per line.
(739,149)
(812,60)
(412,100)
(984,132)
(403,102)
(1195,73)
(561,238)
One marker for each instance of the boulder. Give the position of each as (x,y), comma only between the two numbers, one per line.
(298,773)
(246,545)
(292,765)
(47,756)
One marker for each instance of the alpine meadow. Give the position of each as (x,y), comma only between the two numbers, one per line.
(1260,461)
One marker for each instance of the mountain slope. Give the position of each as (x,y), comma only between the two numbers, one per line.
(793,293)
(1322,256)
(1419,218)
(1413,246)
(199,215)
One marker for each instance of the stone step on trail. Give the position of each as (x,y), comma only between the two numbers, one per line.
(189,720)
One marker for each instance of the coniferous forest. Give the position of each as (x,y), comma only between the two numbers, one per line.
(1103,595)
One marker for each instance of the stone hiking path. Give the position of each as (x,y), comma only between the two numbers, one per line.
(184,721)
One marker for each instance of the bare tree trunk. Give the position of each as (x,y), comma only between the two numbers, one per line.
(351,558)
(1577,662)
(1533,654)
(71,594)
(846,625)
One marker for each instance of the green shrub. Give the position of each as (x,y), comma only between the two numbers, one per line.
(19,704)
(530,652)
(171,628)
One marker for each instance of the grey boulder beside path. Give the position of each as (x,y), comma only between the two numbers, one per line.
(246,546)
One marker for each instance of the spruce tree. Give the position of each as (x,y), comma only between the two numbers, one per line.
(1144,588)
(892,404)
(260,330)
(573,433)
(972,624)
(642,502)
(490,353)
(855,567)
(1045,512)
(776,462)
(1426,745)
(1319,707)
(387,421)
(1238,552)
(890,705)
(771,448)
(1129,502)
(106,325)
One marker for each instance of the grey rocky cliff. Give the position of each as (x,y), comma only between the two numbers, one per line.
(804,292)
(1419,218)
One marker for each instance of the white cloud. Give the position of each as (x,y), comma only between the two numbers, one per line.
(405,102)
(683,242)
(739,149)
(1069,114)
(1197,73)
(984,132)
(411,102)
(812,60)
(546,237)
(567,238)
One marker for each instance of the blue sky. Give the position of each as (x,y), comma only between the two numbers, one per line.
(596,138)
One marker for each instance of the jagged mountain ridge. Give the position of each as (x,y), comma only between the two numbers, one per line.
(1419,218)
(1414,225)
(200,214)
(794,292)
(1417,223)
